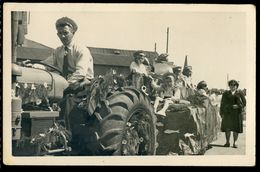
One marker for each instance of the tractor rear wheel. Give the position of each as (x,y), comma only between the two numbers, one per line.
(127,124)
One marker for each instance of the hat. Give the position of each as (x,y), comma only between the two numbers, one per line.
(138,53)
(65,21)
(233,82)
(201,85)
(167,75)
(187,71)
(163,57)
(188,68)
(176,68)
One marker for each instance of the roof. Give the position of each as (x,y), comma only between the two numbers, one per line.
(111,60)
(117,57)
(34,51)
(34,44)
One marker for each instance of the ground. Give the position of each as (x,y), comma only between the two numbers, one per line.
(218,149)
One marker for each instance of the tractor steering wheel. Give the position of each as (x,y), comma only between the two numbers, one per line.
(51,66)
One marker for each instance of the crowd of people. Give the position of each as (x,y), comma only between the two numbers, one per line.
(177,86)
(174,86)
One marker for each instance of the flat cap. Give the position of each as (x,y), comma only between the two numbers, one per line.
(65,21)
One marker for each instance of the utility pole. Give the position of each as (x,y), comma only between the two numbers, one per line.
(227,80)
(14,29)
(167,43)
(29,17)
(155,47)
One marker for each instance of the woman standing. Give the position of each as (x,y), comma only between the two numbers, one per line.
(232,104)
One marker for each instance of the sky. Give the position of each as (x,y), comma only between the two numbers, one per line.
(213,40)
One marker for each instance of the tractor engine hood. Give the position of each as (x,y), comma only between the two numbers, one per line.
(54,82)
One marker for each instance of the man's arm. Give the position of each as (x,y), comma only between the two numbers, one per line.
(132,67)
(84,67)
(50,60)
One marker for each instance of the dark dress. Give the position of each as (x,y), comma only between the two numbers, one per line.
(232,119)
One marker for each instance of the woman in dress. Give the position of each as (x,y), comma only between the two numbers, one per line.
(232,104)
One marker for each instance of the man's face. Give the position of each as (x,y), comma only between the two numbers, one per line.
(65,34)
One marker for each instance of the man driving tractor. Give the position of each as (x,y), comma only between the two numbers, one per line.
(74,61)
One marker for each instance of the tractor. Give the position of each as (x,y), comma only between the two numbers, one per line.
(110,118)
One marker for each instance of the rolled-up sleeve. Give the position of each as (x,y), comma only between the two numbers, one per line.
(83,65)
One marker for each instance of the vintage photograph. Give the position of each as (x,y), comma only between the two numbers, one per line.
(129,84)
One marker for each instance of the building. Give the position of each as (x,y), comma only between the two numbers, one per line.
(34,51)
(118,59)
(104,58)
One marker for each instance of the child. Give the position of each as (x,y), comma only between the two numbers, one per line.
(165,93)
